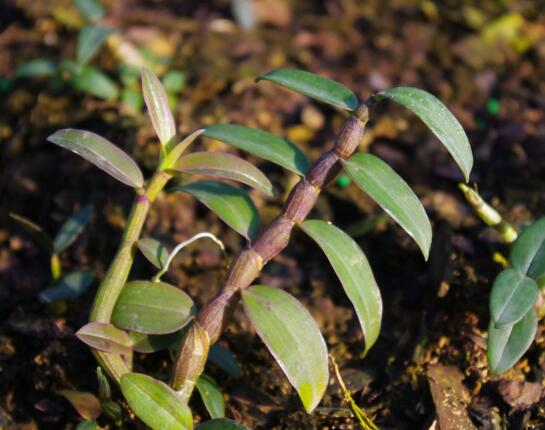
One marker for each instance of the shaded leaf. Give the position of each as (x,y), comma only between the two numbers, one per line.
(36,68)
(102,153)
(72,228)
(354,272)
(261,143)
(439,120)
(154,251)
(148,343)
(152,308)
(90,9)
(506,345)
(231,204)
(85,403)
(70,286)
(158,109)
(155,403)
(528,252)
(38,233)
(90,39)
(105,337)
(227,166)
(293,338)
(222,357)
(220,424)
(393,195)
(87,425)
(95,82)
(211,395)
(174,81)
(512,296)
(314,86)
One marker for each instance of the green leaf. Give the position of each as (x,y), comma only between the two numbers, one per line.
(155,403)
(105,337)
(439,120)
(222,357)
(158,109)
(174,154)
(393,195)
(227,166)
(38,233)
(211,395)
(148,343)
(92,10)
(528,252)
(220,424)
(152,308)
(512,296)
(92,81)
(102,153)
(72,228)
(293,338)
(36,68)
(231,204)
(174,81)
(90,39)
(261,143)
(354,272)
(314,86)
(506,345)
(70,286)
(85,403)
(87,425)
(154,251)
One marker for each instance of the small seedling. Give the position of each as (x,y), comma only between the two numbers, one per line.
(142,315)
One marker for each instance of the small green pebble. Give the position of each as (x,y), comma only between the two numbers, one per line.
(493,106)
(343,181)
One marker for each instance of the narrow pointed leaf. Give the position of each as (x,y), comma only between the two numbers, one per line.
(36,68)
(155,403)
(72,228)
(293,338)
(105,337)
(354,272)
(70,286)
(211,395)
(220,424)
(231,204)
(393,194)
(439,120)
(38,233)
(92,10)
(90,39)
(174,154)
(158,109)
(102,153)
(154,251)
(85,403)
(261,143)
(314,86)
(512,296)
(506,345)
(227,166)
(222,357)
(95,82)
(152,308)
(528,252)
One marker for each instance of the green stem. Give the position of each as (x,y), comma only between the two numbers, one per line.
(119,269)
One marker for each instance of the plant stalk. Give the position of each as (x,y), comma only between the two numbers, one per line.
(247,266)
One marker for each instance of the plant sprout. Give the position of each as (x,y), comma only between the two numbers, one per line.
(127,314)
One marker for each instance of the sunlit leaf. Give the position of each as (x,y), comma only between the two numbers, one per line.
(95,82)
(439,120)
(72,228)
(90,39)
(70,286)
(154,251)
(393,194)
(152,308)
(174,154)
(148,343)
(36,68)
(227,166)
(38,233)
(293,338)
(354,272)
(220,424)
(512,296)
(261,143)
(528,252)
(105,337)
(506,345)
(158,109)
(231,204)
(314,86)
(87,425)
(85,403)
(223,358)
(211,395)
(155,403)
(102,153)
(90,9)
